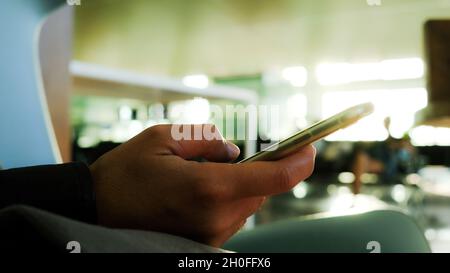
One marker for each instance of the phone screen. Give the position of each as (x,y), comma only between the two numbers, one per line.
(313,133)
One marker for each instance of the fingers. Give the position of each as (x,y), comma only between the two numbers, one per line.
(190,141)
(259,178)
(234,180)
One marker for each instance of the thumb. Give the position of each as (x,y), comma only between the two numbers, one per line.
(207,142)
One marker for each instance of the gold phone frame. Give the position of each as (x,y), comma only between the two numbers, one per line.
(313,133)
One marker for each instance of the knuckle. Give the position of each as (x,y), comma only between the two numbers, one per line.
(208,187)
(157,130)
(285,179)
(206,194)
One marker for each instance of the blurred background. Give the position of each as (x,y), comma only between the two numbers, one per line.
(112,68)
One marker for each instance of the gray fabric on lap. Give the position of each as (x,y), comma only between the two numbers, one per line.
(24,228)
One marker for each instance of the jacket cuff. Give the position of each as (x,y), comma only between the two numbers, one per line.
(64,189)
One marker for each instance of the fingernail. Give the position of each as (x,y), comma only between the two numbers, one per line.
(232,149)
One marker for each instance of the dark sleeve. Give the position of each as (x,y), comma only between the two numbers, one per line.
(64,189)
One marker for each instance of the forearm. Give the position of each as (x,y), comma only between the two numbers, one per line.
(64,189)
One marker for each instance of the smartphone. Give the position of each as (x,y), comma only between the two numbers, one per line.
(313,133)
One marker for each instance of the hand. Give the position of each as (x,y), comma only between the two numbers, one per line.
(149,183)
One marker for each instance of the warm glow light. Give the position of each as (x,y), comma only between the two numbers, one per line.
(87,141)
(195,111)
(346,177)
(340,73)
(400,124)
(196,81)
(398,193)
(347,203)
(295,75)
(395,69)
(342,202)
(301,190)
(429,136)
(400,105)
(125,113)
(398,69)
(296,109)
